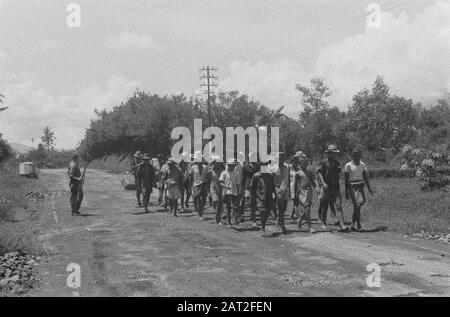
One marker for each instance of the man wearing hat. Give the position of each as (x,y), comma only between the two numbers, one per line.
(75,178)
(185,167)
(147,175)
(174,181)
(230,182)
(214,172)
(262,193)
(303,188)
(136,160)
(330,195)
(295,166)
(282,188)
(163,190)
(198,178)
(248,170)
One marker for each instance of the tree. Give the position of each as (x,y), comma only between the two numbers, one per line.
(379,120)
(5,150)
(48,139)
(1,101)
(317,118)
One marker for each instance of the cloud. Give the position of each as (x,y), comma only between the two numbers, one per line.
(272,84)
(32,108)
(412,54)
(2,56)
(47,45)
(127,41)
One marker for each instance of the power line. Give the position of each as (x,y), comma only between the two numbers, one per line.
(208,75)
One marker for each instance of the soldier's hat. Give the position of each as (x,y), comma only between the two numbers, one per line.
(146,157)
(356,150)
(137,154)
(332,149)
(299,154)
(231,161)
(215,158)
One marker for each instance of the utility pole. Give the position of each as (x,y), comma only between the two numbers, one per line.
(209,76)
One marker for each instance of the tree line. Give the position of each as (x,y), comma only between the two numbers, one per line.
(376,120)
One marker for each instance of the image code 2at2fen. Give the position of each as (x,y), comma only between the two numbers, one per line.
(238,306)
(225,156)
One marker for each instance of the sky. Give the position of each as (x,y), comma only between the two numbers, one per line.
(54,74)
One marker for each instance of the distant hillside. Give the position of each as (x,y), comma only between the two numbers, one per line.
(20,148)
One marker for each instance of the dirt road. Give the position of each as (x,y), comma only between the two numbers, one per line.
(124,253)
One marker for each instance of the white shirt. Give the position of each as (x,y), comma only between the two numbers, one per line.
(230,179)
(355,171)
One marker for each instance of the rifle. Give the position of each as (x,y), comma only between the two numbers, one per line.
(134,166)
(81,185)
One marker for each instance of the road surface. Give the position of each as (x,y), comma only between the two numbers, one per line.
(122,252)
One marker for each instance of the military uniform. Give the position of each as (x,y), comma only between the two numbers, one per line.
(76,193)
(147,176)
(135,160)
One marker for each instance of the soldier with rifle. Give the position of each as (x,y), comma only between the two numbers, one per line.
(136,162)
(76,184)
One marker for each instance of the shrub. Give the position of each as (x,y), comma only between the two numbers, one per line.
(5,150)
(430,178)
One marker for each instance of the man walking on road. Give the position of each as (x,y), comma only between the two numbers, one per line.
(146,175)
(230,182)
(282,186)
(135,161)
(215,170)
(330,196)
(262,193)
(174,182)
(198,177)
(184,167)
(355,180)
(76,193)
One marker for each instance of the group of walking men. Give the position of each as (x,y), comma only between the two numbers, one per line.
(271,188)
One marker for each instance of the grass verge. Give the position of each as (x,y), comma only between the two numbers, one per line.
(16,221)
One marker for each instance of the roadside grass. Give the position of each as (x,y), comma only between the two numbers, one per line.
(16,235)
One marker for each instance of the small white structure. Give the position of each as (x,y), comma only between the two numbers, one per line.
(27,169)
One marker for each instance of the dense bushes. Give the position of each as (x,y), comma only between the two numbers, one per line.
(390,172)
(44,159)
(5,150)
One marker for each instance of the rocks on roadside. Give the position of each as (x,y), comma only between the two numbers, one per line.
(5,201)
(36,196)
(438,237)
(18,272)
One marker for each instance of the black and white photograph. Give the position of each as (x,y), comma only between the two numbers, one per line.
(224,154)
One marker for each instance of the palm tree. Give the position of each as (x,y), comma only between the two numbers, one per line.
(1,101)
